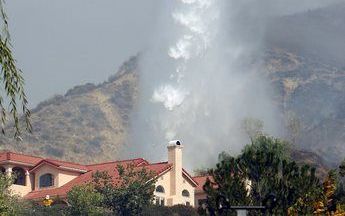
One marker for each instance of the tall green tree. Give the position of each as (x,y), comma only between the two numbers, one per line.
(273,173)
(275,180)
(228,184)
(12,79)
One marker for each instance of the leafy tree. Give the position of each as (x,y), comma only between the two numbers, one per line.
(229,183)
(10,205)
(128,193)
(271,172)
(275,180)
(12,80)
(85,201)
(299,189)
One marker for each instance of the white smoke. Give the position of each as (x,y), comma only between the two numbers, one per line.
(192,43)
(200,79)
(171,97)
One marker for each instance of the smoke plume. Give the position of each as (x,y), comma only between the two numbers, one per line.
(200,77)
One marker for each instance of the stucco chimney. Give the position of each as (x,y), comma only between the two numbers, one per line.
(175,158)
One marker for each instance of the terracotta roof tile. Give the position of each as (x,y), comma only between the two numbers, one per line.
(201,180)
(21,158)
(114,164)
(158,168)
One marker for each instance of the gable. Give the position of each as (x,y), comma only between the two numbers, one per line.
(44,166)
(60,165)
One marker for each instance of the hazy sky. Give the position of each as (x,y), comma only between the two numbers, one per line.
(60,44)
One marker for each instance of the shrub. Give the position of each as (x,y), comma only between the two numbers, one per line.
(177,210)
(84,200)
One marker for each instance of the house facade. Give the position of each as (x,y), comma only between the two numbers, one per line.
(38,177)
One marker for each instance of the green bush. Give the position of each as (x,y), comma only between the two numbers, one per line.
(84,200)
(182,210)
(157,211)
(39,210)
(177,210)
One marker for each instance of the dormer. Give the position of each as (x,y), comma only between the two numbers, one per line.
(52,173)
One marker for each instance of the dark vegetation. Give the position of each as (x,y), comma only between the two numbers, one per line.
(264,174)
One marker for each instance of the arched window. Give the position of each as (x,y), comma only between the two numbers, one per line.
(160,189)
(185,193)
(19,176)
(46,180)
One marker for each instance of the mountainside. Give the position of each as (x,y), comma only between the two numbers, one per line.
(307,54)
(93,119)
(89,123)
(314,95)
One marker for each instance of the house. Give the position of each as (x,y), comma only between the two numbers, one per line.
(38,177)
(199,193)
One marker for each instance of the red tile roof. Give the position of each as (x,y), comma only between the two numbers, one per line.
(110,167)
(8,156)
(201,180)
(21,158)
(106,165)
(158,168)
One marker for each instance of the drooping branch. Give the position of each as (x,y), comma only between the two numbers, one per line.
(12,79)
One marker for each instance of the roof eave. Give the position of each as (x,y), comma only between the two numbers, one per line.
(57,167)
(16,163)
(190,178)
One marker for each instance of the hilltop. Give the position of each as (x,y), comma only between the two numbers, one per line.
(87,124)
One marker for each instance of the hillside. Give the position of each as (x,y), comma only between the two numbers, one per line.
(93,119)
(89,123)
(308,77)
(315,94)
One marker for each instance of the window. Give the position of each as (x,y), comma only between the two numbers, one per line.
(185,193)
(46,180)
(160,201)
(19,176)
(160,189)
